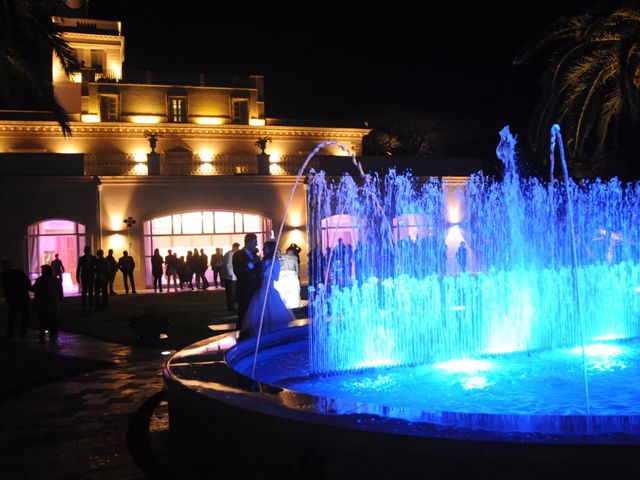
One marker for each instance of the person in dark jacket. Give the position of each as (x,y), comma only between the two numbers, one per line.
(113,268)
(15,285)
(156,270)
(86,277)
(45,301)
(103,276)
(126,265)
(247,267)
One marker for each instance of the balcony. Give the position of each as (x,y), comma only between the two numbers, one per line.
(186,164)
(177,78)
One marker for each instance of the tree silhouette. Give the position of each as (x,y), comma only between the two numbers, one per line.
(27,36)
(590,86)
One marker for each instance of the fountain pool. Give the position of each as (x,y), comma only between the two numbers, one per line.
(525,359)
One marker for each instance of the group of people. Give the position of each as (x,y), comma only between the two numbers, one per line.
(47,292)
(183,270)
(95,275)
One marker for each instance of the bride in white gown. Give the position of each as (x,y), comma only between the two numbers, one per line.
(276,314)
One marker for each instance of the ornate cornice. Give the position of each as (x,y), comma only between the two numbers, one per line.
(92,36)
(78,129)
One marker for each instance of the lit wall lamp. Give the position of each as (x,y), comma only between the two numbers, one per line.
(130,221)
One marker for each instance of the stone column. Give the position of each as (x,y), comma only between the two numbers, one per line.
(263,164)
(153,163)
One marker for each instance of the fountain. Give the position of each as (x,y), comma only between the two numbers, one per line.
(408,358)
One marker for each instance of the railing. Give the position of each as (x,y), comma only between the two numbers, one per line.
(179,78)
(185,163)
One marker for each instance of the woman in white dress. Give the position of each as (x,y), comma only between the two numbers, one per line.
(289,283)
(276,314)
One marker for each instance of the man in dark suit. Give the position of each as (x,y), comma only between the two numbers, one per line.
(86,277)
(247,267)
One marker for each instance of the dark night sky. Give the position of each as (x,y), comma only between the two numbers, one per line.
(350,60)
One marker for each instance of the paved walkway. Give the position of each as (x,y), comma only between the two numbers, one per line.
(79,427)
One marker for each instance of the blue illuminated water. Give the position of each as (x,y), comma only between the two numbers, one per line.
(386,289)
(540,330)
(523,384)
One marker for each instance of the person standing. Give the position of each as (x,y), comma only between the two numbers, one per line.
(204,266)
(247,268)
(15,285)
(58,270)
(86,277)
(171,270)
(156,270)
(217,265)
(126,265)
(266,307)
(461,257)
(103,276)
(45,301)
(113,268)
(228,277)
(195,268)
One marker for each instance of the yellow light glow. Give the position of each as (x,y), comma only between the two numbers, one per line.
(209,120)
(66,148)
(275,169)
(295,217)
(257,122)
(90,118)
(140,156)
(453,204)
(114,70)
(116,241)
(453,213)
(76,77)
(206,169)
(145,119)
(297,237)
(140,169)
(274,156)
(206,156)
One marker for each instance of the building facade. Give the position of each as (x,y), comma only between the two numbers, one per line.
(191,158)
(160,161)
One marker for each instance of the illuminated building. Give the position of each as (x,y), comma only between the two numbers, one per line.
(202,188)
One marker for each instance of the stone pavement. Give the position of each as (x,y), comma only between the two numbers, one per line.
(84,426)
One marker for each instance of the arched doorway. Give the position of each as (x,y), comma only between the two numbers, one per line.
(206,229)
(49,237)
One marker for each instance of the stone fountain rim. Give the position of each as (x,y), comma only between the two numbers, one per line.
(230,386)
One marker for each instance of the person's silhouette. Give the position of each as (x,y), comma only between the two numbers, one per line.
(126,265)
(45,301)
(58,269)
(113,268)
(15,285)
(247,268)
(86,277)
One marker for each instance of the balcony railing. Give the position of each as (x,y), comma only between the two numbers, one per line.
(178,78)
(184,163)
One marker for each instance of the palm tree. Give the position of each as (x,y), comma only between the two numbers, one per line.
(591,85)
(27,37)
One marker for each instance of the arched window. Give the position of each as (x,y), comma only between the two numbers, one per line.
(339,226)
(204,229)
(56,236)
